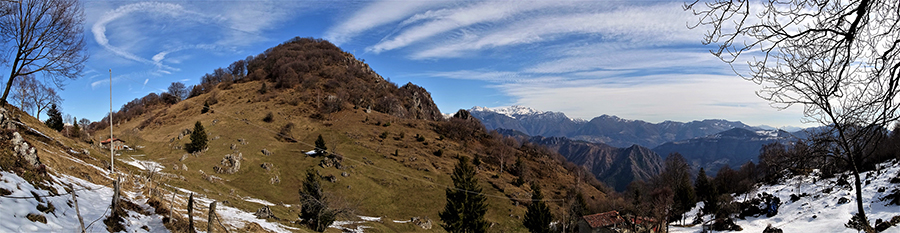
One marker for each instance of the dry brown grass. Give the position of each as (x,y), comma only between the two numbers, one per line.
(376,178)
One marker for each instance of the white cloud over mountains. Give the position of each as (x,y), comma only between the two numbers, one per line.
(634,59)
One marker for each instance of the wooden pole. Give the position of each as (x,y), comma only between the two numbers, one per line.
(77,211)
(112,154)
(115,201)
(172,202)
(212,214)
(190,210)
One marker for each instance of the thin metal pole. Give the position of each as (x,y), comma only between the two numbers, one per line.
(112,154)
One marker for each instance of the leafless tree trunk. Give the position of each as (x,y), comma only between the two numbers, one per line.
(178,89)
(840,60)
(46,37)
(25,87)
(42,97)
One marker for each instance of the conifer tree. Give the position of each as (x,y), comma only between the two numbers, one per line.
(205,108)
(677,176)
(76,131)
(320,146)
(198,139)
(55,120)
(466,205)
(706,192)
(538,216)
(314,204)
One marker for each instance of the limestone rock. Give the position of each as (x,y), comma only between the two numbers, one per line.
(24,150)
(264,213)
(423,222)
(266,152)
(419,103)
(267,166)
(230,164)
(6,120)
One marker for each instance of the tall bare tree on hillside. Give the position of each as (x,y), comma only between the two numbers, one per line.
(45,36)
(32,95)
(42,97)
(178,90)
(840,60)
(23,88)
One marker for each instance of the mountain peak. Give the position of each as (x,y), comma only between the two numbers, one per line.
(511,111)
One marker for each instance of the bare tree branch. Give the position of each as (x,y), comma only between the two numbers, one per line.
(46,38)
(838,59)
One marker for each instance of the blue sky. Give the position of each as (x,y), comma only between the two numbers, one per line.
(633,59)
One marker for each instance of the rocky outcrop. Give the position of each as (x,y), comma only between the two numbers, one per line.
(264,213)
(418,103)
(24,151)
(20,148)
(423,222)
(6,120)
(230,164)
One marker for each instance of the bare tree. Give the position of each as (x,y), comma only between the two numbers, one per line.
(178,90)
(42,97)
(238,69)
(838,59)
(46,36)
(84,123)
(25,87)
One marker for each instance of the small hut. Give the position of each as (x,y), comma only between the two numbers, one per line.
(117,144)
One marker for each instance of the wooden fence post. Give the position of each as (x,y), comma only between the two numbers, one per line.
(115,201)
(77,211)
(212,214)
(190,210)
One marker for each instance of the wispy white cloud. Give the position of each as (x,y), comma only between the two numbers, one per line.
(723,97)
(605,57)
(444,20)
(374,15)
(165,28)
(99,29)
(646,25)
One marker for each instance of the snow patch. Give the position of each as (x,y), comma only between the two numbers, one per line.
(818,212)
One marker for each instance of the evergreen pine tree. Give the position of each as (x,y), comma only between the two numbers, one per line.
(538,216)
(205,108)
(677,176)
(198,139)
(314,204)
(466,205)
(706,192)
(76,131)
(320,146)
(55,120)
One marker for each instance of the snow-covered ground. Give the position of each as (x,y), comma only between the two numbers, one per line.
(819,212)
(93,202)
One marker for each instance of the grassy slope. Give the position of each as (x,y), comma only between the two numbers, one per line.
(395,187)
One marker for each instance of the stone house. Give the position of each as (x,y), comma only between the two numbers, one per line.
(117,144)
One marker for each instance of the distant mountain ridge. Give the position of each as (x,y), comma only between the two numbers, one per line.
(733,147)
(617,167)
(606,129)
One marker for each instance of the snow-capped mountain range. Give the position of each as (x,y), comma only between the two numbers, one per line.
(606,129)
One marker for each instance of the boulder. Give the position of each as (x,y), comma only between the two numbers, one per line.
(266,152)
(230,164)
(771,229)
(422,222)
(264,213)
(267,166)
(24,150)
